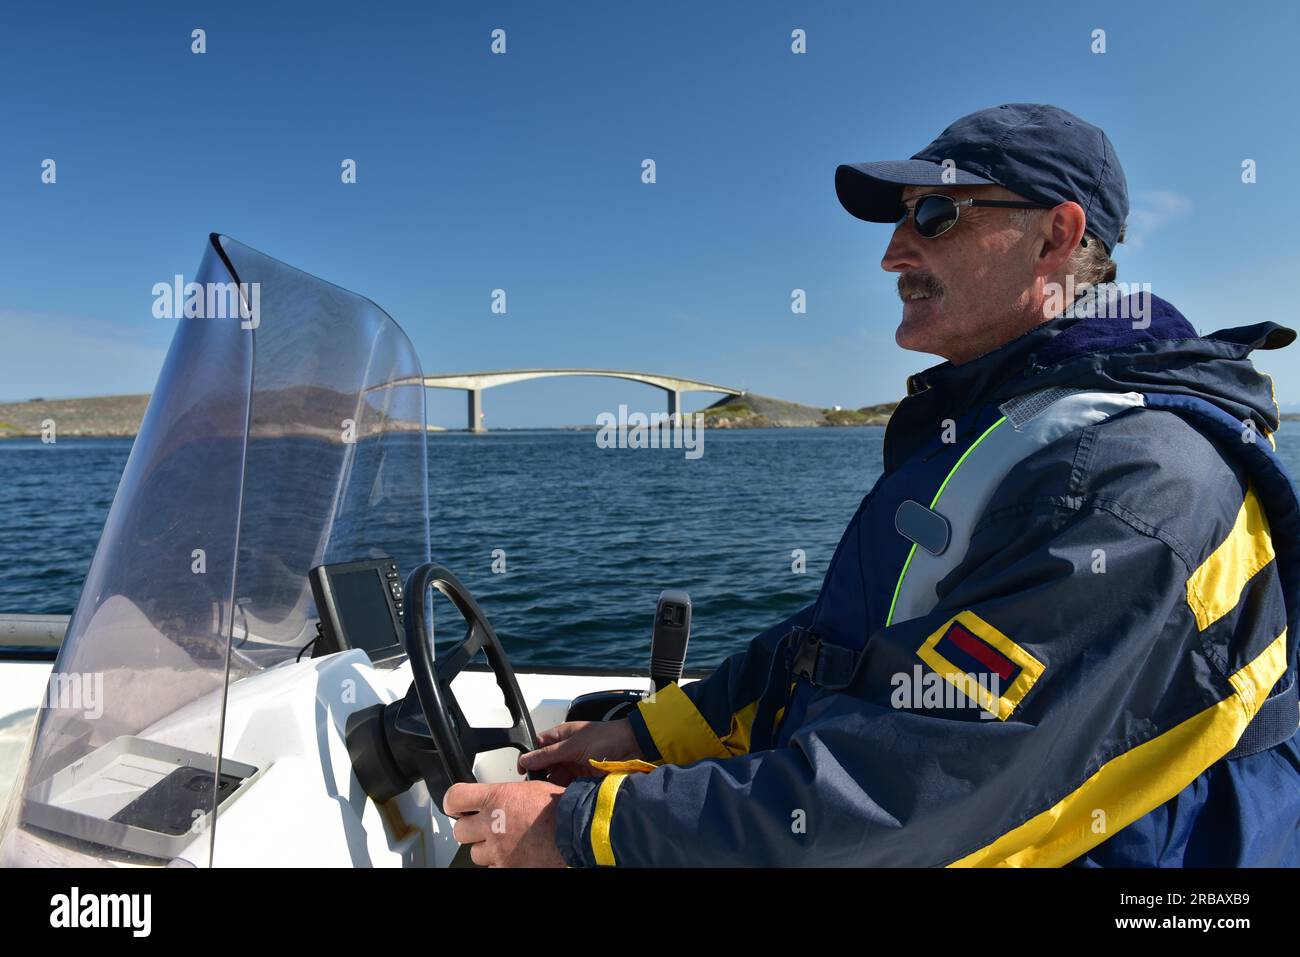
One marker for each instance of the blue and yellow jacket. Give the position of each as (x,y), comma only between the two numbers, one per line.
(1103,673)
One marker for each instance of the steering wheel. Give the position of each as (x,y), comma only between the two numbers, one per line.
(457,742)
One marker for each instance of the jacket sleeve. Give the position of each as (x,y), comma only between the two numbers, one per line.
(712,717)
(1111,707)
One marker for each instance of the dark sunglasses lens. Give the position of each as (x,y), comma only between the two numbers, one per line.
(934,215)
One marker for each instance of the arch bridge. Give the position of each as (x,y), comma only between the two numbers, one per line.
(473,383)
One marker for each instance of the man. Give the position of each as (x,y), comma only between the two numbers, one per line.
(1060,628)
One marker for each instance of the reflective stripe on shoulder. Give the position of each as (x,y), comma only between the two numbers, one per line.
(1133,784)
(1215,588)
(1030,422)
(916,592)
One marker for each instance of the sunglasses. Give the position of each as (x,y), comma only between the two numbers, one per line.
(935,214)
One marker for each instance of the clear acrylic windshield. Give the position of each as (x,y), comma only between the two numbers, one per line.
(286,430)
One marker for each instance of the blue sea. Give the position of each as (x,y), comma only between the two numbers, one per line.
(590,536)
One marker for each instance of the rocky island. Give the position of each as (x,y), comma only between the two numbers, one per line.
(752,411)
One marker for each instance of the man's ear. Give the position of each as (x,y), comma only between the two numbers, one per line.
(1064,230)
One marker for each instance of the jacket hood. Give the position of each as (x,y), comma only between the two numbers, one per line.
(1116,342)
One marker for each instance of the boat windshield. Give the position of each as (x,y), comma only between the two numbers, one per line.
(287,429)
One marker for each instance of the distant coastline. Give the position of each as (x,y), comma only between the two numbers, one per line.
(103,416)
(119,416)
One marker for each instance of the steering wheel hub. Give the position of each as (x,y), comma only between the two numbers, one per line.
(426,735)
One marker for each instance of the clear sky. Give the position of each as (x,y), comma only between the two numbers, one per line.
(522,171)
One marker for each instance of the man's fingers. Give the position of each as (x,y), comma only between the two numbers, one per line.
(546,756)
(470,829)
(463,798)
(559,733)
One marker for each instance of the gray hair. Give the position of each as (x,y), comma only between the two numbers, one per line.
(1090,264)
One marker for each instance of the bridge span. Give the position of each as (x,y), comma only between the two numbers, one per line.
(473,383)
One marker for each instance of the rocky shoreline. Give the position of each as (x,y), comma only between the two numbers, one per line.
(105,416)
(752,411)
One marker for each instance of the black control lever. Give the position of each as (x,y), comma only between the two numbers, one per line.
(672,630)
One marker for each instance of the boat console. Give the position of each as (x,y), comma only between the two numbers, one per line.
(276,488)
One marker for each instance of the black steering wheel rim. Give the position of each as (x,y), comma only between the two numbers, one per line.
(458,743)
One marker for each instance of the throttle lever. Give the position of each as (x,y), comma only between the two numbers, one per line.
(668,640)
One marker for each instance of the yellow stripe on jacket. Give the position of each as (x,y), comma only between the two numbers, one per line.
(1138,781)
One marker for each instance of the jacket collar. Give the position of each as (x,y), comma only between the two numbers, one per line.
(948,391)
(1096,344)
(961,386)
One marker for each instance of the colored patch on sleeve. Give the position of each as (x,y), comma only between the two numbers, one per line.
(981,662)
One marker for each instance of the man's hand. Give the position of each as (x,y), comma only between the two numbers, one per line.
(565,748)
(508,825)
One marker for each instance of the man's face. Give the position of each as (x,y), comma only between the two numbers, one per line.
(975,280)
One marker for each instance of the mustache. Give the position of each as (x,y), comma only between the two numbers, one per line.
(919,281)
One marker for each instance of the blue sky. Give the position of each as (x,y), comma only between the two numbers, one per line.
(522,172)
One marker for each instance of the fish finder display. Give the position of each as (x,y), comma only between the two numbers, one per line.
(360,605)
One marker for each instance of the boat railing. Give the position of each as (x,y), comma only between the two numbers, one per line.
(31,637)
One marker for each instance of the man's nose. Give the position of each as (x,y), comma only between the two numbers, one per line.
(902,253)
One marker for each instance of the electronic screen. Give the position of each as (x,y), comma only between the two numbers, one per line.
(362,602)
(360,606)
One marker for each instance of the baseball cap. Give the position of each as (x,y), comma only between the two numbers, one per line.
(1040,151)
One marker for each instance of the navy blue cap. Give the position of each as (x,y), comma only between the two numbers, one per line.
(1042,152)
